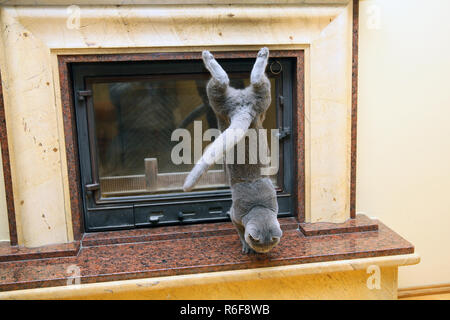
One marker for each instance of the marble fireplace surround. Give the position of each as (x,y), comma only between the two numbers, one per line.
(33,103)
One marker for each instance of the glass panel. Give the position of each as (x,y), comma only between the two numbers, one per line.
(134,121)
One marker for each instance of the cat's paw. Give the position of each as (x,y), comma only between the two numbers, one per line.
(207,56)
(247,249)
(263,53)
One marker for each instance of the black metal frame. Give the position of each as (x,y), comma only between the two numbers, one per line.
(174,208)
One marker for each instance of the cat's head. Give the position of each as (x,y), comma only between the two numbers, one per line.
(262,230)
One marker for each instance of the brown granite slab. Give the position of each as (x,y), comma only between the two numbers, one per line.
(14,253)
(359,224)
(196,255)
(170,232)
(354,119)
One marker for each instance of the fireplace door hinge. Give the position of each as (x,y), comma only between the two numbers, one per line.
(284,133)
(92,187)
(82,94)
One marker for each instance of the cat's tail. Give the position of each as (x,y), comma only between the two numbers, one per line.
(218,149)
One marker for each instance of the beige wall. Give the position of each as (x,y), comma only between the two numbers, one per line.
(403,174)
(4,231)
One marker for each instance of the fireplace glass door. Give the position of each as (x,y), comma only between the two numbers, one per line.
(127,117)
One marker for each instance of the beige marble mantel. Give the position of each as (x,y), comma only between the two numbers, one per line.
(33,36)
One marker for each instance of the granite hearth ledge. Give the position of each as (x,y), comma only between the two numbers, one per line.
(194,252)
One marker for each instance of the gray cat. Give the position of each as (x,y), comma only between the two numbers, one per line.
(254,208)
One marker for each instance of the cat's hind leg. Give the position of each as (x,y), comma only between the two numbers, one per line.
(258,72)
(219,75)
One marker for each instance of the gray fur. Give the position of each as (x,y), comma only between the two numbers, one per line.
(254,209)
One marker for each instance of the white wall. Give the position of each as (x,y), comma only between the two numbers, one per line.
(4,228)
(403,174)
